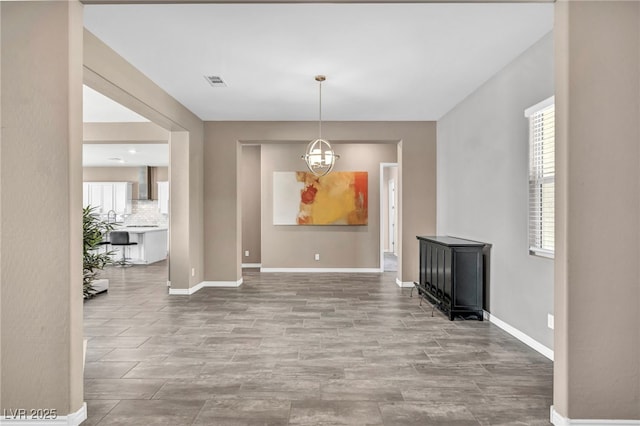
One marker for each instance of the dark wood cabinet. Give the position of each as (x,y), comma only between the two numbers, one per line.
(451,275)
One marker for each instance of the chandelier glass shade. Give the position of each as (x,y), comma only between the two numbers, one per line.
(319,155)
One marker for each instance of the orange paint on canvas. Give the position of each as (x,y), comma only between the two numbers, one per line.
(339,198)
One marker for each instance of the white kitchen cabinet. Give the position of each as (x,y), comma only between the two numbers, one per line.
(105,196)
(122,194)
(163,197)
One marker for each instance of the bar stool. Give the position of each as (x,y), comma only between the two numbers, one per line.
(121,238)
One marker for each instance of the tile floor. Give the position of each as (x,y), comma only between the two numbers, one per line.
(297,349)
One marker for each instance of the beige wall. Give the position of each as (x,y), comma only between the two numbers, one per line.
(124,133)
(251,210)
(221,184)
(108,73)
(597,342)
(41,200)
(125,174)
(162,174)
(338,246)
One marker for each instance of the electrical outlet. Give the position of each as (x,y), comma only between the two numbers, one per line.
(246,253)
(317,257)
(550,321)
(193,272)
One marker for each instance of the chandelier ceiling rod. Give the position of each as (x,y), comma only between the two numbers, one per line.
(320,79)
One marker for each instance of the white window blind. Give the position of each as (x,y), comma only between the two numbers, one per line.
(542,175)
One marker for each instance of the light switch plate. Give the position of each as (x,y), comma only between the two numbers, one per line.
(317,257)
(550,321)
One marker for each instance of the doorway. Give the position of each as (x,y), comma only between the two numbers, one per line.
(389,217)
(126,180)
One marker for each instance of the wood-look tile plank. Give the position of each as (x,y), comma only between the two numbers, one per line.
(287,349)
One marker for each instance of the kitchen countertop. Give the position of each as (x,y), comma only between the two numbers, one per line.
(141,229)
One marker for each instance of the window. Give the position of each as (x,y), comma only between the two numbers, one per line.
(542,176)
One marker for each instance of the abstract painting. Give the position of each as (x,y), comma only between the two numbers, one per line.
(339,198)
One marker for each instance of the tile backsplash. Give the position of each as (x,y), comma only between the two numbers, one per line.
(145,212)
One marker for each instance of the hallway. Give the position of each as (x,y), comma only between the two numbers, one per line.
(304,349)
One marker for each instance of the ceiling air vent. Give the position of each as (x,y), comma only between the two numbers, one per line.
(215,81)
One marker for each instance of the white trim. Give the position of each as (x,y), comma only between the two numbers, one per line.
(404,283)
(189,291)
(541,253)
(251,265)
(71,419)
(222,283)
(348,270)
(183,291)
(539,106)
(558,420)
(527,340)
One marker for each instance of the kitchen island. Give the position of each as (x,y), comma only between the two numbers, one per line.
(151,247)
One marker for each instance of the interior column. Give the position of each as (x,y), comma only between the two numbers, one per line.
(597,281)
(41,210)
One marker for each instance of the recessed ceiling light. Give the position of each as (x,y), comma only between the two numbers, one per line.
(132,151)
(215,81)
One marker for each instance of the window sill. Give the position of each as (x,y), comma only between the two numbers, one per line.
(543,254)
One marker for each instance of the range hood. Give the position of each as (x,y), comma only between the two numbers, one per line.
(144,183)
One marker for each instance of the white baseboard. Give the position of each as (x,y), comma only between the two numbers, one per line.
(346,270)
(527,340)
(559,420)
(203,284)
(251,265)
(404,283)
(221,283)
(25,419)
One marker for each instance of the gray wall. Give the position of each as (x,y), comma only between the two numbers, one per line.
(482,159)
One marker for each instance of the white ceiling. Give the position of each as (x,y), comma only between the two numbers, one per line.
(125,155)
(382,61)
(97,108)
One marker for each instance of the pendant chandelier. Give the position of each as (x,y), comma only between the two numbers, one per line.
(319,155)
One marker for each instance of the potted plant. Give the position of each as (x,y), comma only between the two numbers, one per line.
(94,231)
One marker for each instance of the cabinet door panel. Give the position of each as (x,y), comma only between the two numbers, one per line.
(429,270)
(440,256)
(122,197)
(422,279)
(468,272)
(447,282)
(107,197)
(163,197)
(95,197)
(85,194)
